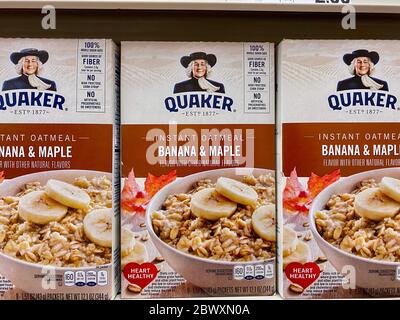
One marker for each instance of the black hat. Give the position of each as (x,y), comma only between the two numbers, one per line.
(210,58)
(41,54)
(348,58)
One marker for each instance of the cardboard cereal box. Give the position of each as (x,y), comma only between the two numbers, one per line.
(58,205)
(198,154)
(340,168)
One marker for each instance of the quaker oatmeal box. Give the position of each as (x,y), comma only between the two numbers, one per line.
(339,152)
(58,208)
(198,155)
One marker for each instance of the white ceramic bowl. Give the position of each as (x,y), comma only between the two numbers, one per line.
(28,276)
(370,274)
(201,271)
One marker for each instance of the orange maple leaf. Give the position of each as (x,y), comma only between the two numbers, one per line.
(133,199)
(297,199)
(316,183)
(153,183)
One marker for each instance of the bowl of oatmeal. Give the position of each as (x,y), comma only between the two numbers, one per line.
(356,223)
(208,223)
(49,225)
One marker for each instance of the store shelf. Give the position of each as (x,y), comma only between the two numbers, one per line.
(196,25)
(371,6)
(275,297)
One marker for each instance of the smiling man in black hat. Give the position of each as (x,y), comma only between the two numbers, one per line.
(198,67)
(361,65)
(28,64)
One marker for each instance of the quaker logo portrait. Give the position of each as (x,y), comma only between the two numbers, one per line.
(198,66)
(29,65)
(29,89)
(362,93)
(361,64)
(199,94)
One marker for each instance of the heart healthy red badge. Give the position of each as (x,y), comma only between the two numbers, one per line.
(140,274)
(302,274)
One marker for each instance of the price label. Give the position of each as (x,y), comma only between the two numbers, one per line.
(337,2)
(333,1)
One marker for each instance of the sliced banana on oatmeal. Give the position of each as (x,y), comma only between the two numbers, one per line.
(67,194)
(97,225)
(290,241)
(237,191)
(302,254)
(374,205)
(137,255)
(263,222)
(209,204)
(128,241)
(39,208)
(391,187)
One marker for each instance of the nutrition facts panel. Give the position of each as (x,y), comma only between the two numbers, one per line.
(88,278)
(253,271)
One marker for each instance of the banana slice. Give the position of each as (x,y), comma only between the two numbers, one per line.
(128,242)
(237,191)
(138,255)
(39,208)
(67,194)
(210,205)
(290,241)
(302,254)
(391,187)
(263,222)
(374,205)
(97,225)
